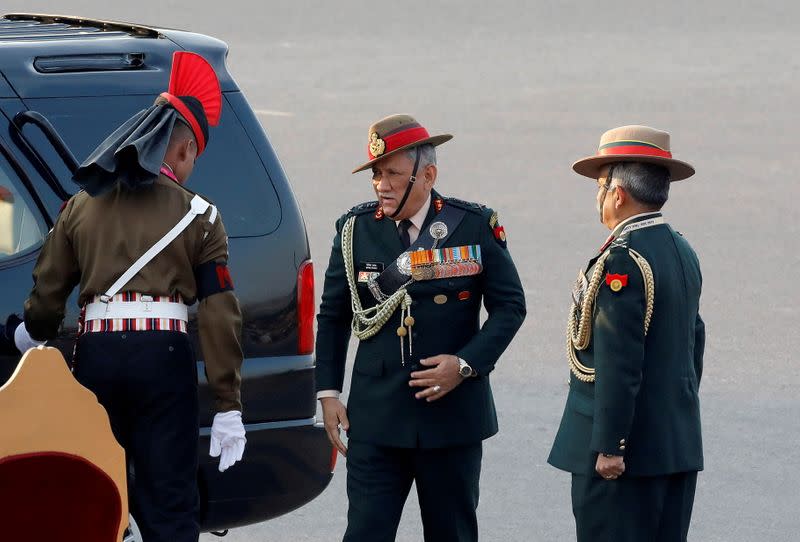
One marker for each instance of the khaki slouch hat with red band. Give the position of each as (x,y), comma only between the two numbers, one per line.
(634,143)
(396,133)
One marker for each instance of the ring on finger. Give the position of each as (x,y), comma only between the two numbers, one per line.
(437,388)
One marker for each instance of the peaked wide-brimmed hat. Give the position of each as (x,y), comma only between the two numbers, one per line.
(634,143)
(396,133)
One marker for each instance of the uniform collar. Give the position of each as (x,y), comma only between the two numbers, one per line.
(630,220)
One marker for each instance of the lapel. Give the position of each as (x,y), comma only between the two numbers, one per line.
(431,213)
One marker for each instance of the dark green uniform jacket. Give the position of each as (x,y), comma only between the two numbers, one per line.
(381,407)
(644,403)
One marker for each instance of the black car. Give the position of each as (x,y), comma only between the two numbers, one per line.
(66,83)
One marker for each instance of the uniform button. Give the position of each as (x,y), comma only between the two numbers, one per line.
(622,448)
(124,336)
(622,441)
(415,367)
(171,348)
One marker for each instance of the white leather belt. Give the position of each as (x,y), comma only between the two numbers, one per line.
(99,310)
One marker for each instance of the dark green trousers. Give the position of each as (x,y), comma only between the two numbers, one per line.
(379,479)
(635,509)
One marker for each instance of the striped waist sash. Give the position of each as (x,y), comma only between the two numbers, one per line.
(132,311)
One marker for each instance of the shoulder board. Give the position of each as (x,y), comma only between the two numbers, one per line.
(363,208)
(619,242)
(468,205)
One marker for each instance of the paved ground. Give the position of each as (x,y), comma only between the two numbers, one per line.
(528,87)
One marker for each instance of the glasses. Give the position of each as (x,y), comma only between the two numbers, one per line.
(608,179)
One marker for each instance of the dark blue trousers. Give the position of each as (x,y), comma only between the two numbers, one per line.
(147,382)
(379,479)
(633,509)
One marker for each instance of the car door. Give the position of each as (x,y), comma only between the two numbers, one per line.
(24,224)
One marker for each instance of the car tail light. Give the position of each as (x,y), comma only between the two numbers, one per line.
(305,308)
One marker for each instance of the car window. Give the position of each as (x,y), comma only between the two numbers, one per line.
(230,172)
(21,227)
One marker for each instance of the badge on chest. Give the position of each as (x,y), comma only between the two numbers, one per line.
(369,270)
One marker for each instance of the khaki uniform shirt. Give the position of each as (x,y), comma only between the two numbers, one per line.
(95,240)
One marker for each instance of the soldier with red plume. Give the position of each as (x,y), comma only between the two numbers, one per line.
(142,248)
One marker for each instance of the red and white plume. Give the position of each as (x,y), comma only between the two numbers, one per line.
(192,75)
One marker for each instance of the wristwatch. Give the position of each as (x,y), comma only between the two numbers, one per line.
(464,369)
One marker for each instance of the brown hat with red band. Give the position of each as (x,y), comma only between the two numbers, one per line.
(394,134)
(634,144)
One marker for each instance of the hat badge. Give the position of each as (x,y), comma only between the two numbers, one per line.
(376,145)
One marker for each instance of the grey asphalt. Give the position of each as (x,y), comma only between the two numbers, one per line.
(527,88)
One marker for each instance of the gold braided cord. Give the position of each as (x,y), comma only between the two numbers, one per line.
(579,333)
(649,286)
(366,322)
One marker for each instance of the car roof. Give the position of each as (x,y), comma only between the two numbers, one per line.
(47,56)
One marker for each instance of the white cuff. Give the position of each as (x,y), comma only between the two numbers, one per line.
(23,340)
(327,393)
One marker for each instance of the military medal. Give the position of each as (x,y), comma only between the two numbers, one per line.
(446,262)
(404,263)
(438,230)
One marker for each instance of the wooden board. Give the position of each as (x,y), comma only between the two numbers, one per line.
(44,409)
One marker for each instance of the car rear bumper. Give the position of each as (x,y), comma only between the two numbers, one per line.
(286,465)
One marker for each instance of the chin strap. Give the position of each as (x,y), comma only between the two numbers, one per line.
(410,186)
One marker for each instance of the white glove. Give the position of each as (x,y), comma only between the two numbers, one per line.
(23,339)
(227,438)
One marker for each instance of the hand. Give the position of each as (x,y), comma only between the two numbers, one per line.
(610,468)
(23,340)
(438,381)
(227,438)
(334,414)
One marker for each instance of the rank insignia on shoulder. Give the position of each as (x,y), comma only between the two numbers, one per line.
(498,231)
(616,282)
(379,213)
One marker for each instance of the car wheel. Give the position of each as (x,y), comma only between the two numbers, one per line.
(132,533)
